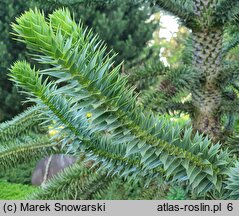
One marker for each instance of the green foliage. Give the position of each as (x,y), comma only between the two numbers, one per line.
(10,100)
(24,139)
(168,92)
(120,136)
(226,10)
(206,78)
(98,113)
(147,74)
(70,2)
(27,121)
(177,193)
(24,149)
(113,23)
(182,9)
(232,183)
(14,191)
(119,189)
(79,181)
(21,174)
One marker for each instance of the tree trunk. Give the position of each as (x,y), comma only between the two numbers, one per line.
(207,60)
(207,116)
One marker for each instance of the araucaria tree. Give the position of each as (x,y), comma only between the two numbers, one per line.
(207,37)
(208,20)
(100,119)
(209,76)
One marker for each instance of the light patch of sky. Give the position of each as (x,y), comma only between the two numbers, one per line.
(169,28)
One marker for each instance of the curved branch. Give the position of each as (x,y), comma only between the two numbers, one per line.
(226,11)
(182,9)
(117,131)
(74,182)
(28,120)
(24,149)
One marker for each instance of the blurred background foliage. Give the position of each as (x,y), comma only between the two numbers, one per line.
(10,191)
(10,100)
(18,175)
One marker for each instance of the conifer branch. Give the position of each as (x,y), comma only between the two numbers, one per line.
(75,182)
(146,75)
(118,129)
(182,9)
(231,44)
(27,121)
(24,149)
(226,11)
(232,182)
(230,73)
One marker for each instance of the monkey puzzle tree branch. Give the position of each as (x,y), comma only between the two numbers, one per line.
(98,108)
(182,9)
